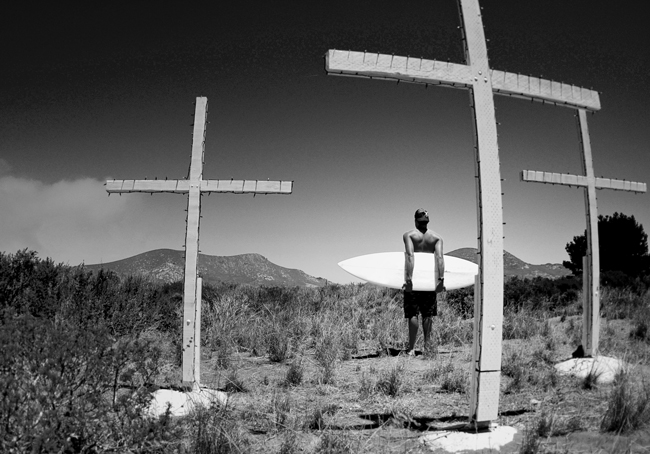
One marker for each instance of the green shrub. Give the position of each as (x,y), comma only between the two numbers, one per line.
(65,389)
(391,382)
(234,384)
(327,355)
(437,371)
(518,369)
(521,324)
(281,410)
(278,346)
(367,386)
(455,381)
(316,421)
(215,430)
(461,302)
(221,355)
(294,374)
(628,406)
(619,303)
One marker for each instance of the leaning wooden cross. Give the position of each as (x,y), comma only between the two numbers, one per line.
(482,82)
(194,186)
(591,268)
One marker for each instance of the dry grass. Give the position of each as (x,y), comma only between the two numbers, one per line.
(323,370)
(353,391)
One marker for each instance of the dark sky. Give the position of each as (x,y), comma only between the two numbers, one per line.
(107,91)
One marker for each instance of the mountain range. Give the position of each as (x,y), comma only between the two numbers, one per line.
(512,266)
(167,265)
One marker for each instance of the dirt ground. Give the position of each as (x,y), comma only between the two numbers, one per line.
(280,417)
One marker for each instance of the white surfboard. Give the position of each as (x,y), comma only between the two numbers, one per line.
(386,269)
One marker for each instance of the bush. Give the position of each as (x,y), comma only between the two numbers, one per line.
(521,325)
(65,389)
(455,381)
(391,383)
(628,406)
(367,386)
(327,355)
(278,346)
(317,419)
(234,384)
(438,370)
(294,374)
(461,302)
(214,430)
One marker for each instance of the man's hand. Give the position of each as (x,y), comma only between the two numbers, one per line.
(440,287)
(408,286)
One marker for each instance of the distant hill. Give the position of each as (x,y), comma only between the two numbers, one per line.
(167,265)
(516,267)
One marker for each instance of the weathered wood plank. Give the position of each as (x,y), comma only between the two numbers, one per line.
(247,186)
(567,179)
(183,186)
(528,87)
(420,70)
(124,186)
(408,69)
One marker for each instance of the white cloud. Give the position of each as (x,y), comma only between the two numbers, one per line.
(75,221)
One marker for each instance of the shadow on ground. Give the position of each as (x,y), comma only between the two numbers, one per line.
(420,424)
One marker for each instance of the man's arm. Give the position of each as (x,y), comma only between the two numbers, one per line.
(440,266)
(409,262)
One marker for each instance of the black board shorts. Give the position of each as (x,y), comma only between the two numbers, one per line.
(425,303)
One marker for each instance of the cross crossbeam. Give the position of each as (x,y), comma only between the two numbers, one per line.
(591,268)
(195,186)
(183,186)
(482,83)
(568,179)
(423,71)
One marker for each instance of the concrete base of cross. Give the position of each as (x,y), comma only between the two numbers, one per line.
(462,439)
(183,403)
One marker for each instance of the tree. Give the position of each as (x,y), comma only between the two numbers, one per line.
(623,247)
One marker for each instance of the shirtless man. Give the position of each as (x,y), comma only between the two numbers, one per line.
(421,239)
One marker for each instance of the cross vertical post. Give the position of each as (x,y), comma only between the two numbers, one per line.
(197,334)
(591,260)
(591,301)
(194,186)
(482,81)
(488,315)
(192,241)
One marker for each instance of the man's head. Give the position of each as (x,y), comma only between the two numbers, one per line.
(421,217)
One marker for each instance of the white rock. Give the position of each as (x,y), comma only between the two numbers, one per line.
(182,403)
(606,367)
(456,441)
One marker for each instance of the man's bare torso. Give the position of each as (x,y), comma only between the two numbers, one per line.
(423,241)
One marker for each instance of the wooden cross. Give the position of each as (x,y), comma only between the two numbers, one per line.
(194,186)
(482,82)
(591,262)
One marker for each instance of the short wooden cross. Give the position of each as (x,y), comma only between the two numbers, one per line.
(194,186)
(482,82)
(591,268)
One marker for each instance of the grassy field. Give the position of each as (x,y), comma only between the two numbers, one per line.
(307,370)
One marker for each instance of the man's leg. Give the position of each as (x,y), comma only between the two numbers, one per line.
(413,332)
(427,323)
(429,310)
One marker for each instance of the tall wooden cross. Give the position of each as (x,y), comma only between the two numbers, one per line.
(591,261)
(482,82)
(194,186)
